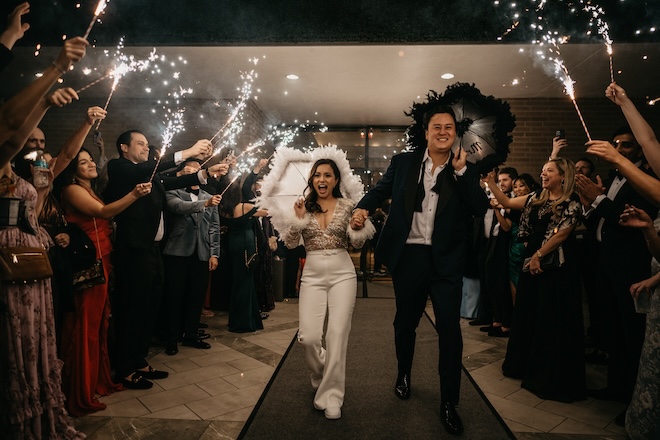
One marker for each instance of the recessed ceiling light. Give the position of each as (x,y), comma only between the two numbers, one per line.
(447,76)
(292,76)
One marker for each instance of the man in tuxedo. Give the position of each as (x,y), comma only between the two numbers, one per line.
(494,259)
(137,257)
(434,192)
(191,252)
(623,259)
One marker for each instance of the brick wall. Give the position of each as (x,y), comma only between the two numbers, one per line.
(537,120)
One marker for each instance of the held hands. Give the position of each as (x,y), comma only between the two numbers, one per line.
(358,218)
(459,160)
(495,204)
(62,97)
(72,52)
(588,190)
(635,218)
(603,150)
(95,114)
(299,208)
(616,94)
(213,201)
(141,190)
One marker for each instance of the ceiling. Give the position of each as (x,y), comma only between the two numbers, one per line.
(357,85)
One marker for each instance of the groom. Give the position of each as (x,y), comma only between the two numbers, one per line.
(423,244)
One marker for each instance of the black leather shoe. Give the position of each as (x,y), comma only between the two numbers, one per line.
(171,349)
(450,419)
(196,344)
(202,325)
(151,373)
(136,382)
(402,387)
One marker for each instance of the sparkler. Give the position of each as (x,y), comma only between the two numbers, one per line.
(653,101)
(125,65)
(93,83)
(570,91)
(603,29)
(99,9)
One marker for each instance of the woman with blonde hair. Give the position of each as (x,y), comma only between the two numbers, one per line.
(545,346)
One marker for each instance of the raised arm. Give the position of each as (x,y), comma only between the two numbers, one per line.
(643,132)
(517,203)
(15,112)
(15,27)
(643,183)
(72,146)
(80,199)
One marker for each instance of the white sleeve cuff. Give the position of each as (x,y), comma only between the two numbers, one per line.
(178,157)
(360,236)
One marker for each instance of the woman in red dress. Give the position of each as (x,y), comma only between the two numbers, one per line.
(86,373)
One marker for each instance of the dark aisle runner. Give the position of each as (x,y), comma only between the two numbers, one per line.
(371,410)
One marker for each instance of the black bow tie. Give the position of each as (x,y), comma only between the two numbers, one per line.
(615,173)
(193,191)
(419,196)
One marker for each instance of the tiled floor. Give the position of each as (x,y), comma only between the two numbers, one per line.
(211,393)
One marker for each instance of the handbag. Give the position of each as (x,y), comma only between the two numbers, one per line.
(553,260)
(81,250)
(253,260)
(92,276)
(23,264)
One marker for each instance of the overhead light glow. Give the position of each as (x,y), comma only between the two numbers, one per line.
(292,76)
(447,76)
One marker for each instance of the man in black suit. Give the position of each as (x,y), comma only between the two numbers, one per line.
(423,244)
(137,257)
(623,260)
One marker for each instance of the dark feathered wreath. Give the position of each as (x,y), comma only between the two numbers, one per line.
(483,123)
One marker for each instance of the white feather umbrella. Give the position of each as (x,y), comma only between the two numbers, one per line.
(287,181)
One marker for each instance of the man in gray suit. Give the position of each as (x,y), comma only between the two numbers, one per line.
(191,252)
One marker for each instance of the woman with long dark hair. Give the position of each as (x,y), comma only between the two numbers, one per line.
(86,371)
(329,283)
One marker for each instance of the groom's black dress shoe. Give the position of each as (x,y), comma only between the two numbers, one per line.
(450,418)
(402,387)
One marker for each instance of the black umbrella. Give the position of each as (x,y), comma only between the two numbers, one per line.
(483,123)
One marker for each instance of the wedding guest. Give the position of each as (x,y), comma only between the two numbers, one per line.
(138,264)
(190,254)
(545,347)
(86,373)
(240,219)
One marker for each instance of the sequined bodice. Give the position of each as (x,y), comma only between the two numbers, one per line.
(334,236)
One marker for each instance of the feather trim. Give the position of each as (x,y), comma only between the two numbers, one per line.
(293,221)
(363,234)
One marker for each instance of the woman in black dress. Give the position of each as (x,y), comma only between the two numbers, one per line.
(244,315)
(545,347)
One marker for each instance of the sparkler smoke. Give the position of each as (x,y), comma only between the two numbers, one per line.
(551,39)
(98,11)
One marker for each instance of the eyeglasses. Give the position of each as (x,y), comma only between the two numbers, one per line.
(623,144)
